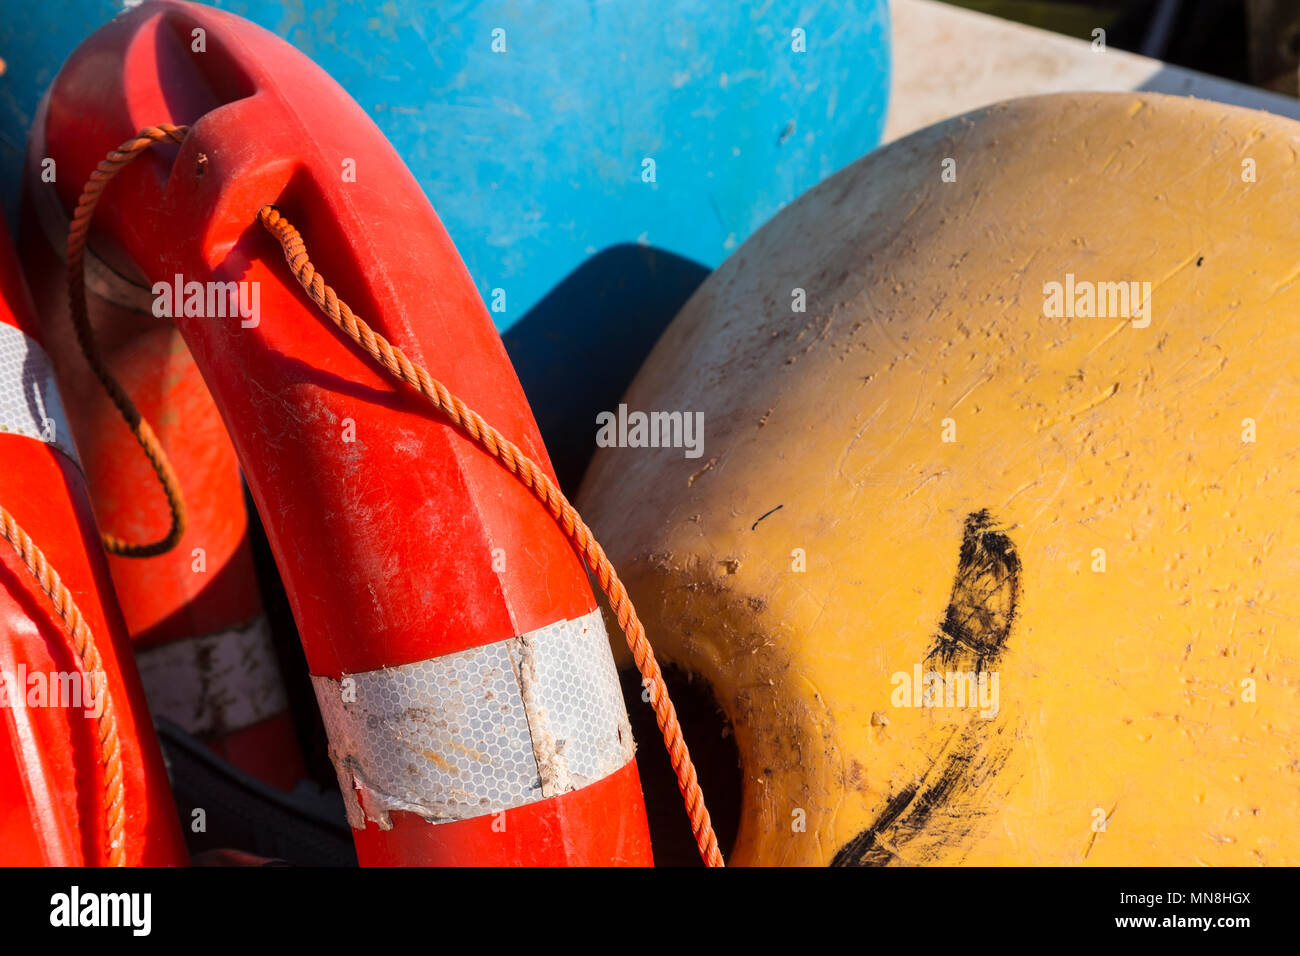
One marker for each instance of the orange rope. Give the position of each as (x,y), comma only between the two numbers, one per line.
(78,234)
(108,742)
(535,480)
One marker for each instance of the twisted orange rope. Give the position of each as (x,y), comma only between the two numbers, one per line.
(78,233)
(535,480)
(108,741)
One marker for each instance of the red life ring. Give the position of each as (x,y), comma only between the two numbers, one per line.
(202,641)
(472,704)
(52,774)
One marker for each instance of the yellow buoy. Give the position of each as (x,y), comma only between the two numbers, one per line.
(989,549)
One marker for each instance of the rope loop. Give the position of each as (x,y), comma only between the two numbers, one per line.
(78,236)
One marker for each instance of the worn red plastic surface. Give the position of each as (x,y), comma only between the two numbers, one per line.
(386,542)
(207,583)
(51,779)
(163,598)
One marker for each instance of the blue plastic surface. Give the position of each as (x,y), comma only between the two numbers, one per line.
(592,161)
(535,153)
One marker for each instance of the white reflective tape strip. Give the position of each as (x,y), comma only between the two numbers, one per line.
(481,730)
(217,683)
(29,397)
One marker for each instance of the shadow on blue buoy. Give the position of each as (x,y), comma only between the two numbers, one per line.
(577,350)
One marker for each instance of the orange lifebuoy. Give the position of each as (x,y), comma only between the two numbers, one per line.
(56,754)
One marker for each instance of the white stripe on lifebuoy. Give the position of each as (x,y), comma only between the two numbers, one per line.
(29,398)
(481,730)
(217,683)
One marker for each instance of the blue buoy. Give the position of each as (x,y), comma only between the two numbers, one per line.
(546,132)
(552,135)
